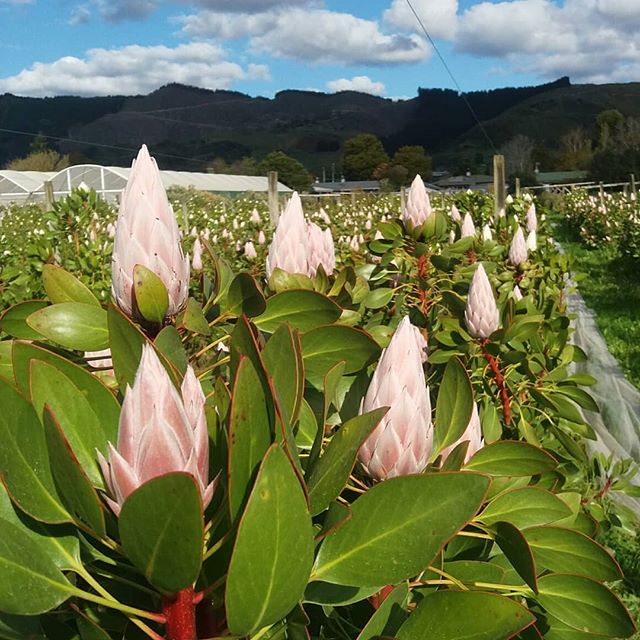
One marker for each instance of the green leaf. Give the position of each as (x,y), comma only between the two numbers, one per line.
(325,346)
(274,547)
(454,405)
(126,342)
(74,325)
(62,286)
(302,309)
(6,360)
(14,320)
(20,627)
(73,484)
(338,595)
(514,546)
(250,434)
(471,571)
(331,472)
(511,458)
(162,530)
(169,344)
(24,461)
(31,583)
(525,507)
(584,604)
(389,617)
(472,615)
(567,551)
(150,294)
(580,396)
(398,527)
(307,427)
(244,297)
(73,413)
(193,318)
(378,298)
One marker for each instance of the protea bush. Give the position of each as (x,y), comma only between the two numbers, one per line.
(390,446)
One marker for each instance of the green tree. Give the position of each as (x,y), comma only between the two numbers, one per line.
(414,159)
(361,156)
(47,160)
(290,171)
(609,122)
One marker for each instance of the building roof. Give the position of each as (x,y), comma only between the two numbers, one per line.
(560,177)
(465,181)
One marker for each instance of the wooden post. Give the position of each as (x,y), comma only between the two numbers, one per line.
(274,209)
(353,199)
(48,195)
(517,187)
(634,190)
(498,184)
(402,200)
(601,191)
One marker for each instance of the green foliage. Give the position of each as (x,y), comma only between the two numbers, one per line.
(290,171)
(361,156)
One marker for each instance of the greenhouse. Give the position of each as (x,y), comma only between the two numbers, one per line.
(29,186)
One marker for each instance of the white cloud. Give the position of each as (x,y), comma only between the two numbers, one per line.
(227,26)
(364,84)
(242,6)
(80,15)
(438,16)
(131,70)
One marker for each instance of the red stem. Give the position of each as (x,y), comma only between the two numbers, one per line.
(180,613)
(502,387)
(378,598)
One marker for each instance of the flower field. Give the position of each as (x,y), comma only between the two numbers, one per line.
(362,423)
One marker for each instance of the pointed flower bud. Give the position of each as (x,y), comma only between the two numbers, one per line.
(161,431)
(196,260)
(418,207)
(518,248)
(468,229)
(532,240)
(255,217)
(486,233)
(516,293)
(481,314)
(402,442)
(532,219)
(455,213)
(472,434)
(288,250)
(147,234)
(321,250)
(261,237)
(250,250)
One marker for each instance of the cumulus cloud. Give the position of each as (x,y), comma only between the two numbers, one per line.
(80,15)
(131,70)
(363,84)
(242,6)
(440,17)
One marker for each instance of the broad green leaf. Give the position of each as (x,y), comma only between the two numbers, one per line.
(169,344)
(250,434)
(74,486)
(378,298)
(307,427)
(62,286)
(580,396)
(337,595)
(243,297)
(126,342)
(162,531)
(74,414)
(472,571)
(511,458)
(14,320)
(332,470)
(74,325)
(472,615)
(6,360)
(103,402)
(20,627)
(398,527)
(584,604)
(89,629)
(302,309)
(24,461)
(31,583)
(525,507)
(325,346)
(389,617)
(514,546)
(454,405)
(567,551)
(274,546)
(193,319)
(150,295)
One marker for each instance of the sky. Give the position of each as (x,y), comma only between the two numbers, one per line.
(260,47)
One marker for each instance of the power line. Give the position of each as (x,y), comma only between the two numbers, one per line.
(453,78)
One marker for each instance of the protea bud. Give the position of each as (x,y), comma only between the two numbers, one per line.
(321,250)
(418,207)
(472,434)
(261,237)
(250,250)
(147,234)
(468,229)
(481,314)
(486,233)
(255,217)
(196,259)
(288,250)
(532,219)
(532,240)
(455,213)
(402,442)
(518,248)
(161,431)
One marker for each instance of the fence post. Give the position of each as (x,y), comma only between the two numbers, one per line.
(49,198)
(274,208)
(633,184)
(517,187)
(601,187)
(498,183)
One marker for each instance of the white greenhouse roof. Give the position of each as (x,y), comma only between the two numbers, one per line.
(21,186)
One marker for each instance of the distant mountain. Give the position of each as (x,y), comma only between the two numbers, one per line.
(187,127)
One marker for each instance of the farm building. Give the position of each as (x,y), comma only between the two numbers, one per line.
(29,186)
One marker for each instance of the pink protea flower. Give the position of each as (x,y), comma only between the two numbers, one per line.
(481,314)
(401,444)
(473,433)
(517,294)
(418,207)
(455,213)
(532,240)
(518,248)
(250,250)
(288,250)
(261,237)
(196,259)
(321,250)
(468,229)
(147,234)
(161,431)
(532,219)
(486,233)
(255,217)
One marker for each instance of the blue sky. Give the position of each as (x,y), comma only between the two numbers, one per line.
(100,47)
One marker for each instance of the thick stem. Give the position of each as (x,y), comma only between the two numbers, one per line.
(378,598)
(180,613)
(502,387)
